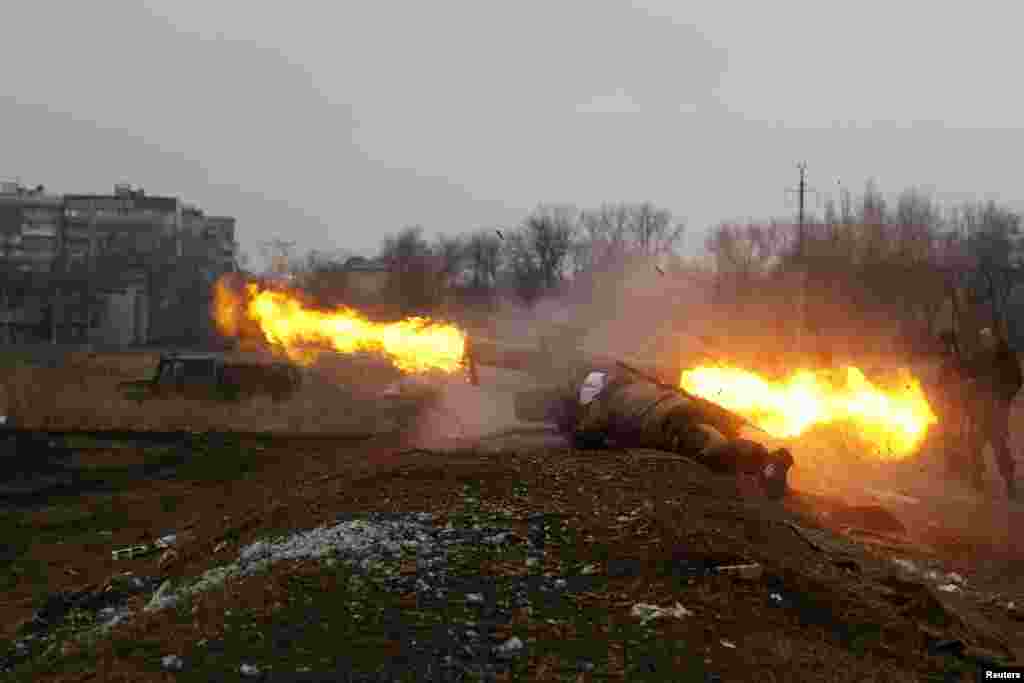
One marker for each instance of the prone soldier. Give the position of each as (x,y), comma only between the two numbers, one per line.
(606,403)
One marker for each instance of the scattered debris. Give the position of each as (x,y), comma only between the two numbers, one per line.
(159,596)
(728,643)
(906,565)
(131,552)
(647,612)
(953,577)
(509,648)
(949,588)
(249,670)
(172,663)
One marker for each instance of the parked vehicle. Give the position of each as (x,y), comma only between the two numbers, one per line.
(209,375)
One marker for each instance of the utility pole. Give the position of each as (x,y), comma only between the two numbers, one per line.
(802,189)
(801,254)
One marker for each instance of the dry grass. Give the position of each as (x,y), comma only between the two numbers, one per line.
(83,394)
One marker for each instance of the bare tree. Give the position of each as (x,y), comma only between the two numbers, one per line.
(603,238)
(413,270)
(654,231)
(483,259)
(450,257)
(990,230)
(549,234)
(406,250)
(917,220)
(744,251)
(613,234)
(523,274)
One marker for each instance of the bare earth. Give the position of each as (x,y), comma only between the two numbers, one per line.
(829,605)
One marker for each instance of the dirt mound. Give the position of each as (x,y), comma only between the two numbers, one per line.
(640,526)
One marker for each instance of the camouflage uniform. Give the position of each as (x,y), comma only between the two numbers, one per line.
(995,380)
(633,412)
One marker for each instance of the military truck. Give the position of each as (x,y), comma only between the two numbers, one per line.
(210,375)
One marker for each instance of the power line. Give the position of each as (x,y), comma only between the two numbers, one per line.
(801,189)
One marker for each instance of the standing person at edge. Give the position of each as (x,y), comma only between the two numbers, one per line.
(601,404)
(996,378)
(950,401)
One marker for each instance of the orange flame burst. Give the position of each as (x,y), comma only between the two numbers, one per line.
(893,420)
(412,344)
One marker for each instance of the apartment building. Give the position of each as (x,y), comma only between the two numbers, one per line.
(125,268)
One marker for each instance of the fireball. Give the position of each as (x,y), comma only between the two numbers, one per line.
(892,419)
(301,331)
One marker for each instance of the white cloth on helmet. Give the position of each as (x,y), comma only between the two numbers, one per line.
(593,385)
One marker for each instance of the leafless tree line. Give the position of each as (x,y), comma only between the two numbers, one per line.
(867,264)
(553,246)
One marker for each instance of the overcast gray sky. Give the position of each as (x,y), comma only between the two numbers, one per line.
(336,123)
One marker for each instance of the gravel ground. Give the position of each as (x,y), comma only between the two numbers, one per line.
(367,543)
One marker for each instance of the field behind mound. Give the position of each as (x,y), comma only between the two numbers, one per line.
(80,391)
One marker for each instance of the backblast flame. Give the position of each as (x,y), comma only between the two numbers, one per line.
(412,344)
(894,420)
